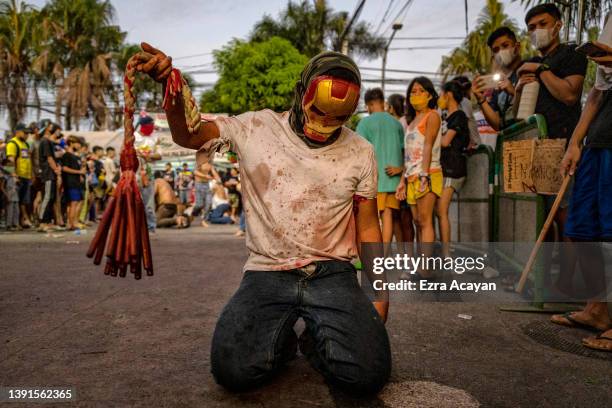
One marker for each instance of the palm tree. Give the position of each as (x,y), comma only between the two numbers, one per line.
(79,46)
(18,37)
(312,28)
(474,56)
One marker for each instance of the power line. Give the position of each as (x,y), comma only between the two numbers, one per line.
(201,71)
(384,16)
(380,9)
(347,28)
(401,71)
(424,47)
(429,38)
(191,56)
(401,13)
(207,65)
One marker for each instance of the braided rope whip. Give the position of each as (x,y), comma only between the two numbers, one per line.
(124,217)
(176,84)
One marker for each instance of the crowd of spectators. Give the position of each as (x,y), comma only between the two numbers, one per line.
(52,181)
(422,142)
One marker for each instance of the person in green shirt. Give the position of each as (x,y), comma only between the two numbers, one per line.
(386,134)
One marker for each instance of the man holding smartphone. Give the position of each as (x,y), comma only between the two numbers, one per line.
(506,51)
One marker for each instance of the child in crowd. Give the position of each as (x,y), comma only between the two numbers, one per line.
(454,142)
(422,181)
(396,106)
(72,172)
(466,106)
(8,187)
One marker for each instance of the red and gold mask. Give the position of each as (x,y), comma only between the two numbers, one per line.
(328,104)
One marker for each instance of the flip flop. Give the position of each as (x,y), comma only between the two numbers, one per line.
(587,342)
(571,322)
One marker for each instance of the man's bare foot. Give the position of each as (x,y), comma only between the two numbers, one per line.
(602,342)
(239,233)
(204,224)
(581,319)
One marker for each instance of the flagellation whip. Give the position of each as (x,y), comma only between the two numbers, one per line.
(124,222)
(543,232)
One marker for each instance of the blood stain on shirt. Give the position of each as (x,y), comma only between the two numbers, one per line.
(261,176)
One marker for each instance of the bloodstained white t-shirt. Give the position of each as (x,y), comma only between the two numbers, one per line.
(298,200)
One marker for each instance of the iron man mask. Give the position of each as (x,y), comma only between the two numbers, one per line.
(327,104)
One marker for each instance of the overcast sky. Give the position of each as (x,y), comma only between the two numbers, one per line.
(189,27)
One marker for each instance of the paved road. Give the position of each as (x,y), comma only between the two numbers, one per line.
(145,343)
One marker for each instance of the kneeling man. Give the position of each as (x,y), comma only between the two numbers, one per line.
(309,186)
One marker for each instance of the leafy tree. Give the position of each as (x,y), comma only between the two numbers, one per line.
(148,92)
(79,46)
(254,76)
(19,35)
(474,55)
(313,28)
(589,79)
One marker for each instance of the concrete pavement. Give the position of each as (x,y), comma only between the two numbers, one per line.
(122,342)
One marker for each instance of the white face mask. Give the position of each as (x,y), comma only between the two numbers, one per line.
(542,37)
(505,57)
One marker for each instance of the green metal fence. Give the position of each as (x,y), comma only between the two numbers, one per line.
(471,211)
(518,217)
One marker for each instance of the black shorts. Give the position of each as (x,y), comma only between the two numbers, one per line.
(24,191)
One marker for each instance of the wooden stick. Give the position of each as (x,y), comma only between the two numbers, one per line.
(543,232)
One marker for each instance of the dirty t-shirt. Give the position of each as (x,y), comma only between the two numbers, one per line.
(298,201)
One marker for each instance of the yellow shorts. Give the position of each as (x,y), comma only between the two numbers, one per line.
(387,200)
(412,189)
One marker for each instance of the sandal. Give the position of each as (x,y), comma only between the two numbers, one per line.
(567,320)
(595,343)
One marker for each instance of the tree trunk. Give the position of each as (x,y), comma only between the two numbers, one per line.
(68,118)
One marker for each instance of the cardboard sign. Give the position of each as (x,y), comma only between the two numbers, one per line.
(532,166)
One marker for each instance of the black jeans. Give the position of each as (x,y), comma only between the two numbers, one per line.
(345,339)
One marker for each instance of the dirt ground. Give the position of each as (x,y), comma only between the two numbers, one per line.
(121,342)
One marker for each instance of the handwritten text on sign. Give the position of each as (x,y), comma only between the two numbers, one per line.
(532,166)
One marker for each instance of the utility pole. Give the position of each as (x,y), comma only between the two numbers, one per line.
(342,44)
(396,28)
(580,21)
(567,17)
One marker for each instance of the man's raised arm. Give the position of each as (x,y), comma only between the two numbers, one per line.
(158,66)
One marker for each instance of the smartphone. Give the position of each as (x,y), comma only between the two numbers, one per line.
(591,50)
(489,81)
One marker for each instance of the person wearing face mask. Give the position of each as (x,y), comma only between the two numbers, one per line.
(309,186)
(506,51)
(421,183)
(559,69)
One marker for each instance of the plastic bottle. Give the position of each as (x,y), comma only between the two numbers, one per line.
(529,98)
